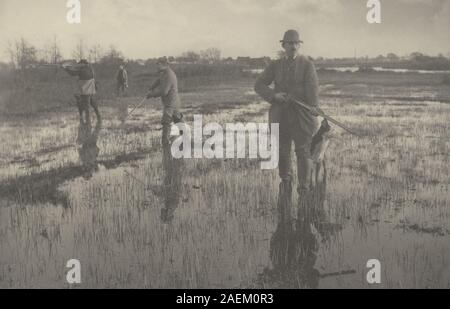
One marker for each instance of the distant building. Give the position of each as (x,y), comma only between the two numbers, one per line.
(141,62)
(228,60)
(253,63)
(243,61)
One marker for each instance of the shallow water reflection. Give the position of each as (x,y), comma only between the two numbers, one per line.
(88,150)
(294,244)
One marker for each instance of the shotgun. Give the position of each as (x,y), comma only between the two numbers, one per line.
(136,107)
(322,114)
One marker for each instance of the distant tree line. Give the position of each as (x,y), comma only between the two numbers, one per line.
(23,55)
(413,61)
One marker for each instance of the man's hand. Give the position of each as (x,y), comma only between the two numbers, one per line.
(313,110)
(290,98)
(280,97)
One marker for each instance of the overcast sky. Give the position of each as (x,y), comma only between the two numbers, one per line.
(151,28)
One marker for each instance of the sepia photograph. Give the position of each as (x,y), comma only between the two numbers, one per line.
(254,145)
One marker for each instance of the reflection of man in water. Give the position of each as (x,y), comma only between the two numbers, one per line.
(172,188)
(88,152)
(294,246)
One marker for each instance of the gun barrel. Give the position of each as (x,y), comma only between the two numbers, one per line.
(334,121)
(136,107)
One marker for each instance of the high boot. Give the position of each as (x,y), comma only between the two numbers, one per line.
(305,204)
(285,200)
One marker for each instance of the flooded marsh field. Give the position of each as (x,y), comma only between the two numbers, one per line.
(97,194)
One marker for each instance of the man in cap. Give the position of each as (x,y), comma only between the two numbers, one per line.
(294,77)
(87,87)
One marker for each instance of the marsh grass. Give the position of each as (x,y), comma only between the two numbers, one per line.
(386,198)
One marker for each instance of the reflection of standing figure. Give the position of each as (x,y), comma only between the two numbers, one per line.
(294,246)
(122,111)
(172,187)
(89,151)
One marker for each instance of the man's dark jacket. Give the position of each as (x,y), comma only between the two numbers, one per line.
(304,86)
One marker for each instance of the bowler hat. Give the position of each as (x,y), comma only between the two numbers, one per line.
(291,36)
